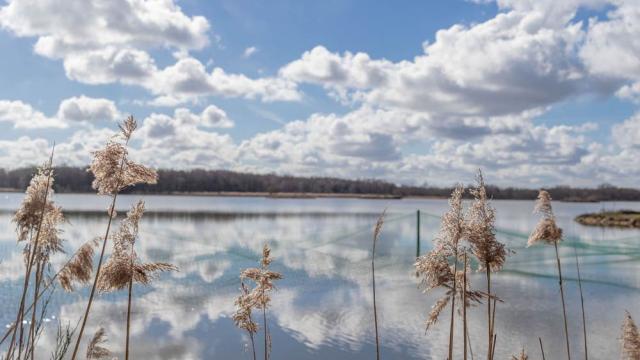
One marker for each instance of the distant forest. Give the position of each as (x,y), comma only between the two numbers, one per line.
(78,180)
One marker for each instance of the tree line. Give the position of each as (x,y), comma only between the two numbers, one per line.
(78,180)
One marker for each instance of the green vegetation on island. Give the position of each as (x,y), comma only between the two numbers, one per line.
(621,218)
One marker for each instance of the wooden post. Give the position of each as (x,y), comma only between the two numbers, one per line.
(418,234)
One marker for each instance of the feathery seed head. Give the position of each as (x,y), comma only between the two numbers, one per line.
(28,215)
(38,215)
(112,169)
(127,127)
(481,229)
(521,356)
(80,267)
(96,349)
(452,226)
(124,264)
(245,302)
(546,231)
(630,339)
(263,278)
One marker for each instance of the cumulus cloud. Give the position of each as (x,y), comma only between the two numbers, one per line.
(109,42)
(328,142)
(83,108)
(508,64)
(627,133)
(188,79)
(22,115)
(180,142)
(87,25)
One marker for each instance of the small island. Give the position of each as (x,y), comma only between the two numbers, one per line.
(621,218)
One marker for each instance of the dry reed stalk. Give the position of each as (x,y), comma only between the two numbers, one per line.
(548,232)
(470,346)
(453,307)
(541,348)
(264,279)
(493,321)
(63,340)
(31,342)
(493,344)
(584,322)
(464,307)
(376,234)
(31,215)
(113,172)
(630,339)
(491,253)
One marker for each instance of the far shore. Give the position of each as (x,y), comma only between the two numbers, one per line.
(308,195)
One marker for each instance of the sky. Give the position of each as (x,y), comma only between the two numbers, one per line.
(533,92)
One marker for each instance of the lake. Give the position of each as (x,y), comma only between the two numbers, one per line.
(323,307)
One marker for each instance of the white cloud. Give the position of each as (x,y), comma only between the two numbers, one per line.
(250,51)
(22,115)
(508,64)
(88,25)
(211,117)
(189,79)
(110,64)
(82,108)
(179,142)
(109,42)
(627,133)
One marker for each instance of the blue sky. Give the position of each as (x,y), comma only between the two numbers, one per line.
(533,92)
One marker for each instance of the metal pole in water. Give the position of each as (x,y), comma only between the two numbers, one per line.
(418,234)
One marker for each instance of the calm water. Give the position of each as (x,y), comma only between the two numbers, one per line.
(323,307)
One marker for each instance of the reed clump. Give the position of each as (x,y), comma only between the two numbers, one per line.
(113,172)
(37,223)
(436,271)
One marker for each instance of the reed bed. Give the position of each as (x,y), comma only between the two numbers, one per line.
(465,243)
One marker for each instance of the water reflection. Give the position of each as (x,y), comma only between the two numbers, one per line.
(323,306)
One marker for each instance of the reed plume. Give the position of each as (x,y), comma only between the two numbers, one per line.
(245,302)
(489,252)
(113,171)
(263,279)
(123,267)
(79,268)
(435,270)
(96,349)
(521,356)
(376,234)
(549,233)
(630,339)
